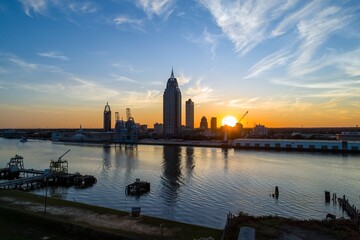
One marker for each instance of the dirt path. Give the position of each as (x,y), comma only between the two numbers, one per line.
(89,218)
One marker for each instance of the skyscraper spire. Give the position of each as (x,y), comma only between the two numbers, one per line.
(172,73)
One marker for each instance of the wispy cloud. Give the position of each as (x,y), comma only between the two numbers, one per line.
(162,8)
(309,27)
(22,63)
(53,54)
(123,78)
(340,84)
(276,59)
(201,93)
(183,79)
(292,19)
(41,7)
(328,21)
(246,23)
(34,6)
(206,39)
(243,103)
(124,20)
(124,66)
(83,7)
(89,90)
(26,65)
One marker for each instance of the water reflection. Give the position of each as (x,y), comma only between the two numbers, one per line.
(190,165)
(58,192)
(171,177)
(106,166)
(225,152)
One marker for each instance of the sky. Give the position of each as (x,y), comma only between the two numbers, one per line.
(290,63)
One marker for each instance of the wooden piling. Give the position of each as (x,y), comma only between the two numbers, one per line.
(327,196)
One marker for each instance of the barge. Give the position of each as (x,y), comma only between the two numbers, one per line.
(137,188)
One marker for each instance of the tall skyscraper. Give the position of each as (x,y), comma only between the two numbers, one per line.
(107,118)
(213,124)
(189,113)
(172,108)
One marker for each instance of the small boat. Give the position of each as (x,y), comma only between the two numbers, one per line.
(23,139)
(137,188)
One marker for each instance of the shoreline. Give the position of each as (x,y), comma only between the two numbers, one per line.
(22,217)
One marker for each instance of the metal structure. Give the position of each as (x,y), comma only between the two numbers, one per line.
(59,166)
(16,163)
(126,132)
(243,116)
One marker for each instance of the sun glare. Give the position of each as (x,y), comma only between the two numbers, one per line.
(229,121)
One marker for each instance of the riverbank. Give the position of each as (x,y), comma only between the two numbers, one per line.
(274,227)
(23,216)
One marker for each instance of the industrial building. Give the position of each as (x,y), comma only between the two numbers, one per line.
(297,145)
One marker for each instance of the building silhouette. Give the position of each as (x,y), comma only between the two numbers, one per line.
(189,106)
(172,108)
(204,123)
(213,124)
(107,118)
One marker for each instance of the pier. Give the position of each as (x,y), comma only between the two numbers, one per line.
(28,179)
(351,211)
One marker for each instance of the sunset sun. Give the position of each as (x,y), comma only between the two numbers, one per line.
(229,121)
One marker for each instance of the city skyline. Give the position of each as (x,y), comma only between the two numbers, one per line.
(289,63)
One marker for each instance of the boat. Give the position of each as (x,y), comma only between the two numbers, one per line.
(137,188)
(23,139)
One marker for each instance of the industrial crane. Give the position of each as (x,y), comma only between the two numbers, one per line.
(243,116)
(225,133)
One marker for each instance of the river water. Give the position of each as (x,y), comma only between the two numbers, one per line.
(200,185)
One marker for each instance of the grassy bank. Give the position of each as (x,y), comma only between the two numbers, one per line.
(22,216)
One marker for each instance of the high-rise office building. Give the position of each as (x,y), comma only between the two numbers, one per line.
(172,108)
(213,124)
(107,118)
(189,106)
(204,123)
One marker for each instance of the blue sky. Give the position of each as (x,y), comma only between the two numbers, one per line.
(289,63)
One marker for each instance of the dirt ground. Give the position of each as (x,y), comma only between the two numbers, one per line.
(89,218)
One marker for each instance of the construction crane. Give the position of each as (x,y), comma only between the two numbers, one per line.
(243,116)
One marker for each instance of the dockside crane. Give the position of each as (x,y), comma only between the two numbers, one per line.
(243,116)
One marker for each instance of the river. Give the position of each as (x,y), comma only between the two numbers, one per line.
(199,185)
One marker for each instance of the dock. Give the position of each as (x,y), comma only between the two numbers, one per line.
(351,211)
(28,179)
